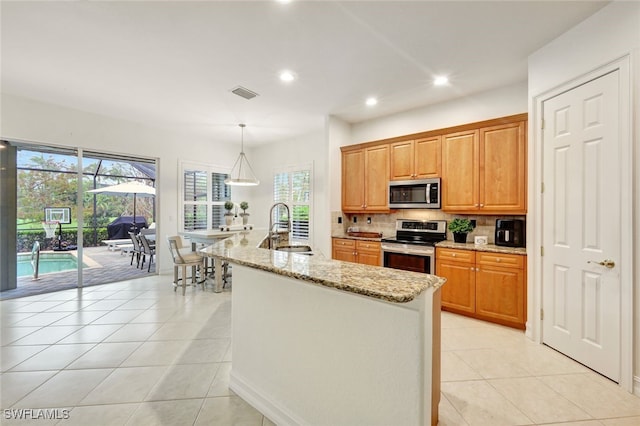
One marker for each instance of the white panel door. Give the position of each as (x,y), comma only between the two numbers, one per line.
(581,221)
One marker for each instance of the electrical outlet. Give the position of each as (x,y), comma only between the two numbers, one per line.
(473,223)
(355,219)
(339,219)
(369,220)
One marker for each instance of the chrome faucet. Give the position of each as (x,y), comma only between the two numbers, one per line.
(274,236)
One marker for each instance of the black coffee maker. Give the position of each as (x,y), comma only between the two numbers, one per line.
(510,232)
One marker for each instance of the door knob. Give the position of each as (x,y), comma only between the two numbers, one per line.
(606,263)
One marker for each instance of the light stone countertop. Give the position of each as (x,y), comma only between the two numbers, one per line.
(387,284)
(492,248)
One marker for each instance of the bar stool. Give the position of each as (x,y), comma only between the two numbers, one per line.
(181,260)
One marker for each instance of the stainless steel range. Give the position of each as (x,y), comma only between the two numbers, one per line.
(413,247)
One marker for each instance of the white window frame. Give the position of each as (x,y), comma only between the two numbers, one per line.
(201,167)
(291,169)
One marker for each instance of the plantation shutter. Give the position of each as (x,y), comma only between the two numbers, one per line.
(293,187)
(219,194)
(300,195)
(195,194)
(204,194)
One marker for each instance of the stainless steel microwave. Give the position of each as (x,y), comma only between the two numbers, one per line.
(415,194)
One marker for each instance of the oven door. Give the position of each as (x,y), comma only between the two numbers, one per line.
(408,258)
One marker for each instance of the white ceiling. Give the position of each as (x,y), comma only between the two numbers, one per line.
(173,64)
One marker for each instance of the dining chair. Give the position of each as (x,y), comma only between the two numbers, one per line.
(183,259)
(147,249)
(136,250)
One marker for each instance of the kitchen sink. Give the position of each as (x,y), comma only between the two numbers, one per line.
(295,249)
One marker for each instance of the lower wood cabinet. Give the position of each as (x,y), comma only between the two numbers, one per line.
(484,285)
(358,251)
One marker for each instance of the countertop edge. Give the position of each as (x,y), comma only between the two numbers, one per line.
(491,248)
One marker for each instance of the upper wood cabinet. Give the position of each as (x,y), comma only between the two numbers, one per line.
(460,168)
(503,168)
(484,170)
(365,179)
(416,159)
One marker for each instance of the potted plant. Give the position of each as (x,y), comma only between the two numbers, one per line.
(245,216)
(228,216)
(460,228)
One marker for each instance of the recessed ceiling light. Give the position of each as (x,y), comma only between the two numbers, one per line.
(284,1)
(440,81)
(287,76)
(371,101)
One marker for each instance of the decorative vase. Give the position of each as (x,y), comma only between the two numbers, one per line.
(245,218)
(460,237)
(228,219)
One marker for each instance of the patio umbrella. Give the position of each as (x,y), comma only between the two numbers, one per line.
(124,189)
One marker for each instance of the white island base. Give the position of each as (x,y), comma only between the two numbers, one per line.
(306,354)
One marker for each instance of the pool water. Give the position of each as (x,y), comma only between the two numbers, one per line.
(49,262)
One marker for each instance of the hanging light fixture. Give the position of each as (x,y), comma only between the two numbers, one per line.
(242,174)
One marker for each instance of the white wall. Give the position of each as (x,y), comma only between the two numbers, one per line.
(32,121)
(338,133)
(266,159)
(610,34)
(501,102)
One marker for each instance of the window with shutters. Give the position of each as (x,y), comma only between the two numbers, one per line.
(203,196)
(292,186)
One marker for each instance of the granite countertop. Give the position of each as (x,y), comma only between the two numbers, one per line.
(492,248)
(387,284)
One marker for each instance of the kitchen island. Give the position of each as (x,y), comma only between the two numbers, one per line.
(319,341)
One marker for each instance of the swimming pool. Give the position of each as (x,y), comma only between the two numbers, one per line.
(49,263)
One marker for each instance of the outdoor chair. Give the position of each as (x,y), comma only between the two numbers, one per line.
(136,250)
(181,260)
(148,249)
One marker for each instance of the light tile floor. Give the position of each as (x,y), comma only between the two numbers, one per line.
(136,353)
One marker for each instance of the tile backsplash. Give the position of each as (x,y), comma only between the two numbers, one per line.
(386,223)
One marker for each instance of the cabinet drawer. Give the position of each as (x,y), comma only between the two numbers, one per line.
(343,242)
(368,245)
(499,259)
(466,256)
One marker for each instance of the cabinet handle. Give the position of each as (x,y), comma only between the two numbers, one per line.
(481,205)
(453,255)
(472,268)
(477,205)
(498,259)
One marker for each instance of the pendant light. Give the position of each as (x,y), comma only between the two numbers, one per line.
(242,174)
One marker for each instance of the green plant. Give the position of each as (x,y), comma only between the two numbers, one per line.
(244,206)
(228,206)
(460,225)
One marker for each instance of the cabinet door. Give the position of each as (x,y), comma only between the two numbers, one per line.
(343,249)
(500,295)
(428,157)
(402,160)
(460,172)
(376,179)
(353,180)
(503,166)
(459,292)
(369,253)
